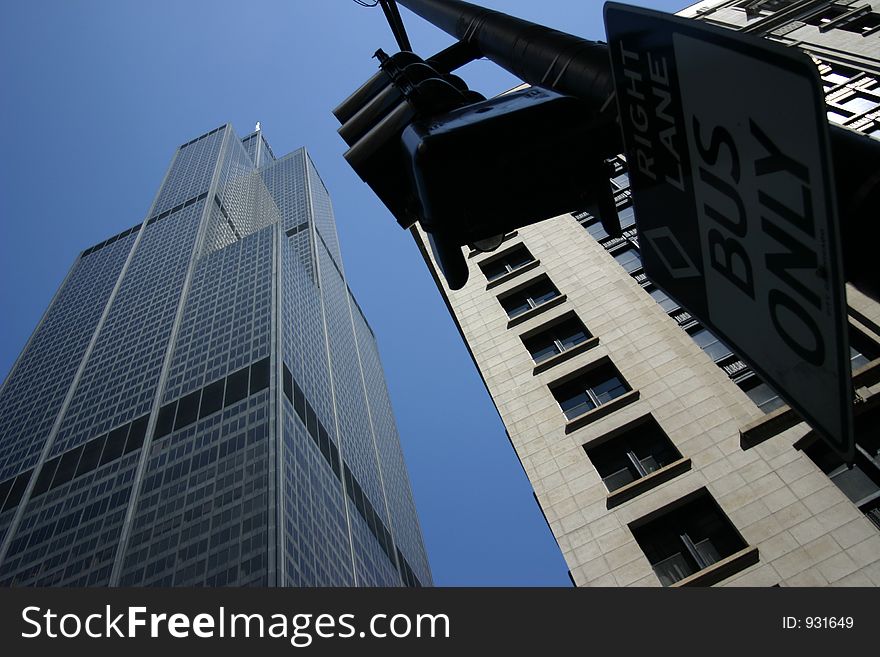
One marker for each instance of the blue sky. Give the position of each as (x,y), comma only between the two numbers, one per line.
(97,94)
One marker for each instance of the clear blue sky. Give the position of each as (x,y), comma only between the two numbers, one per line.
(97,94)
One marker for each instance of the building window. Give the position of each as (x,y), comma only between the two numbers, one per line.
(862,349)
(596,230)
(714,348)
(765,7)
(866,24)
(835,74)
(663,300)
(628,258)
(759,392)
(532,296)
(560,336)
(506,263)
(688,538)
(860,482)
(856,359)
(859,21)
(634,454)
(626,216)
(590,390)
(837,117)
(822,18)
(858,103)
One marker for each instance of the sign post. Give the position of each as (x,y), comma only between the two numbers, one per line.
(727,147)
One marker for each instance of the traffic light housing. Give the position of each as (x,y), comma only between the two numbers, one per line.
(373,118)
(468,169)
(494,166)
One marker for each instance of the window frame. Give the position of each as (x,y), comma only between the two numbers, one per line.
(551,329)
(650,534)
(624,440)
(626,247)
(529,298)
(502,258)
(584,375)
(696,328)
(749,382)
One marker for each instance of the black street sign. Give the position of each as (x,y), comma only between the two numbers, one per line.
(729,162)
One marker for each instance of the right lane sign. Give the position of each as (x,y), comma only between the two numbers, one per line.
(729,162)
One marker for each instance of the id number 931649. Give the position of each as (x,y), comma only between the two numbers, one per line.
(818,622)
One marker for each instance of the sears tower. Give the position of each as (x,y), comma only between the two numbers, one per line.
(203,402)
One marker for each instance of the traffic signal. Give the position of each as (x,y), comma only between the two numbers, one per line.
(468,169)
(373,118)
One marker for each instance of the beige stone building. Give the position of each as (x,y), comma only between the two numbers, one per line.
(656,455)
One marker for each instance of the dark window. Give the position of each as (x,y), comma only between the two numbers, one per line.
(4,490)
(17,489)
(755,7)
(260,375)
(406,572)
(856,482)
(136,434)
(530,297)
(827,15)
(860,482)
(596,230)
(288,383)
(324,443)
(759,392)
(116,440)
(187,409)
(507,262)
(236,387)
(164,423)
(212,398)
(67,466)
(628,258)
(667,304)
(349,479)
(627,217)
(311,420)
(861,348)
(91,456)
(632,455)
(556,338)
(590,390)
(370,516)
(359,498)
(857,359)
(687,539)
(865,23)
(44,479)
(334,458)
(290,232)
(714,348)
(299,401)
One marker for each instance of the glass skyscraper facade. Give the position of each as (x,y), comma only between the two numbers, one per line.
(203,401)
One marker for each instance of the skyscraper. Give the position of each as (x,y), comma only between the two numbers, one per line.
(203,401)
(657,456)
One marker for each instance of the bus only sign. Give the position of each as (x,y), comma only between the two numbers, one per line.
(729,161)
